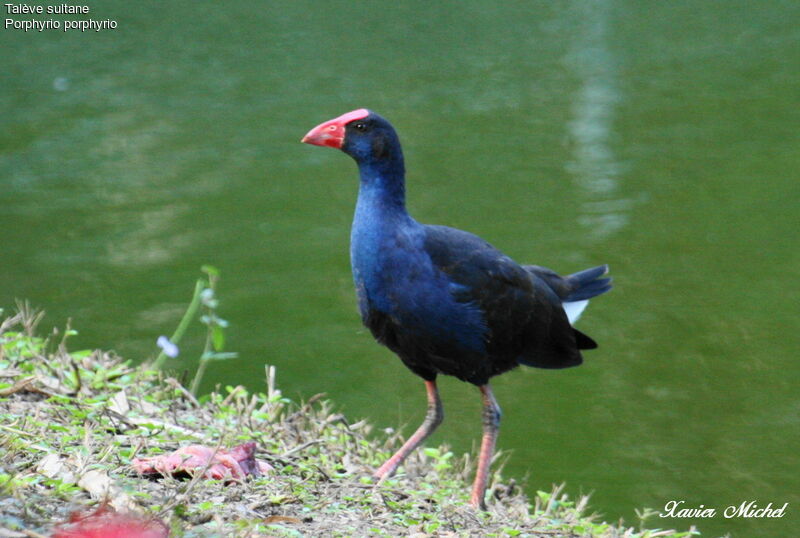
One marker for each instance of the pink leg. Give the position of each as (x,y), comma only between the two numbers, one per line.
(433,418)
(491,425)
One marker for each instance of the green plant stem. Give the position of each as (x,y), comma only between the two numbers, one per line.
(198,376)
(204,358)
(191,311)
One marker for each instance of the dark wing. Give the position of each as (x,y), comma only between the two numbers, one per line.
(526,322)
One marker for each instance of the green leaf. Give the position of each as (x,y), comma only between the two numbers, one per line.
(218,338)
(214,356)
(210,270)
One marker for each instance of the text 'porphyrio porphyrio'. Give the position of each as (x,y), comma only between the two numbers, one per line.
(444,300)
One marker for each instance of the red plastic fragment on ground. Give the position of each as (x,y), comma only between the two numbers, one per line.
(238,462)
(105,523)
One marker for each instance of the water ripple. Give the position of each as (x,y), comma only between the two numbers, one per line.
(594,166)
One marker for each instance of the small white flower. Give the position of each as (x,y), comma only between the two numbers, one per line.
(169,349)
(208,299)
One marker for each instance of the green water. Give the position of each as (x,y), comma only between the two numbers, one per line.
(658,137)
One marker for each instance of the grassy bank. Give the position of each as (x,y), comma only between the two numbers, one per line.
(72,422)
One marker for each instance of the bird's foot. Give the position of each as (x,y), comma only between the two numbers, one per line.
(477,502)
(388,468)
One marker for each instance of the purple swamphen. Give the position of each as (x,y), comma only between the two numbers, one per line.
(444,300)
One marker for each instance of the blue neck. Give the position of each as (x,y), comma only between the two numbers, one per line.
(379,217)
(382,188)
(380,212)
(382,192)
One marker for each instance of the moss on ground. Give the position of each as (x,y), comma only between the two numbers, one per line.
(71,422)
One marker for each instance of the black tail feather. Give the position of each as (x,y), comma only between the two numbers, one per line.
(583,341)
(587,284)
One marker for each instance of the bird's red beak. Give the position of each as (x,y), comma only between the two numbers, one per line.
(331,132)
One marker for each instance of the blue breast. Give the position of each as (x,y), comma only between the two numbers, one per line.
(395,276)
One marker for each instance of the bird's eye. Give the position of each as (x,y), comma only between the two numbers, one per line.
(360,126)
